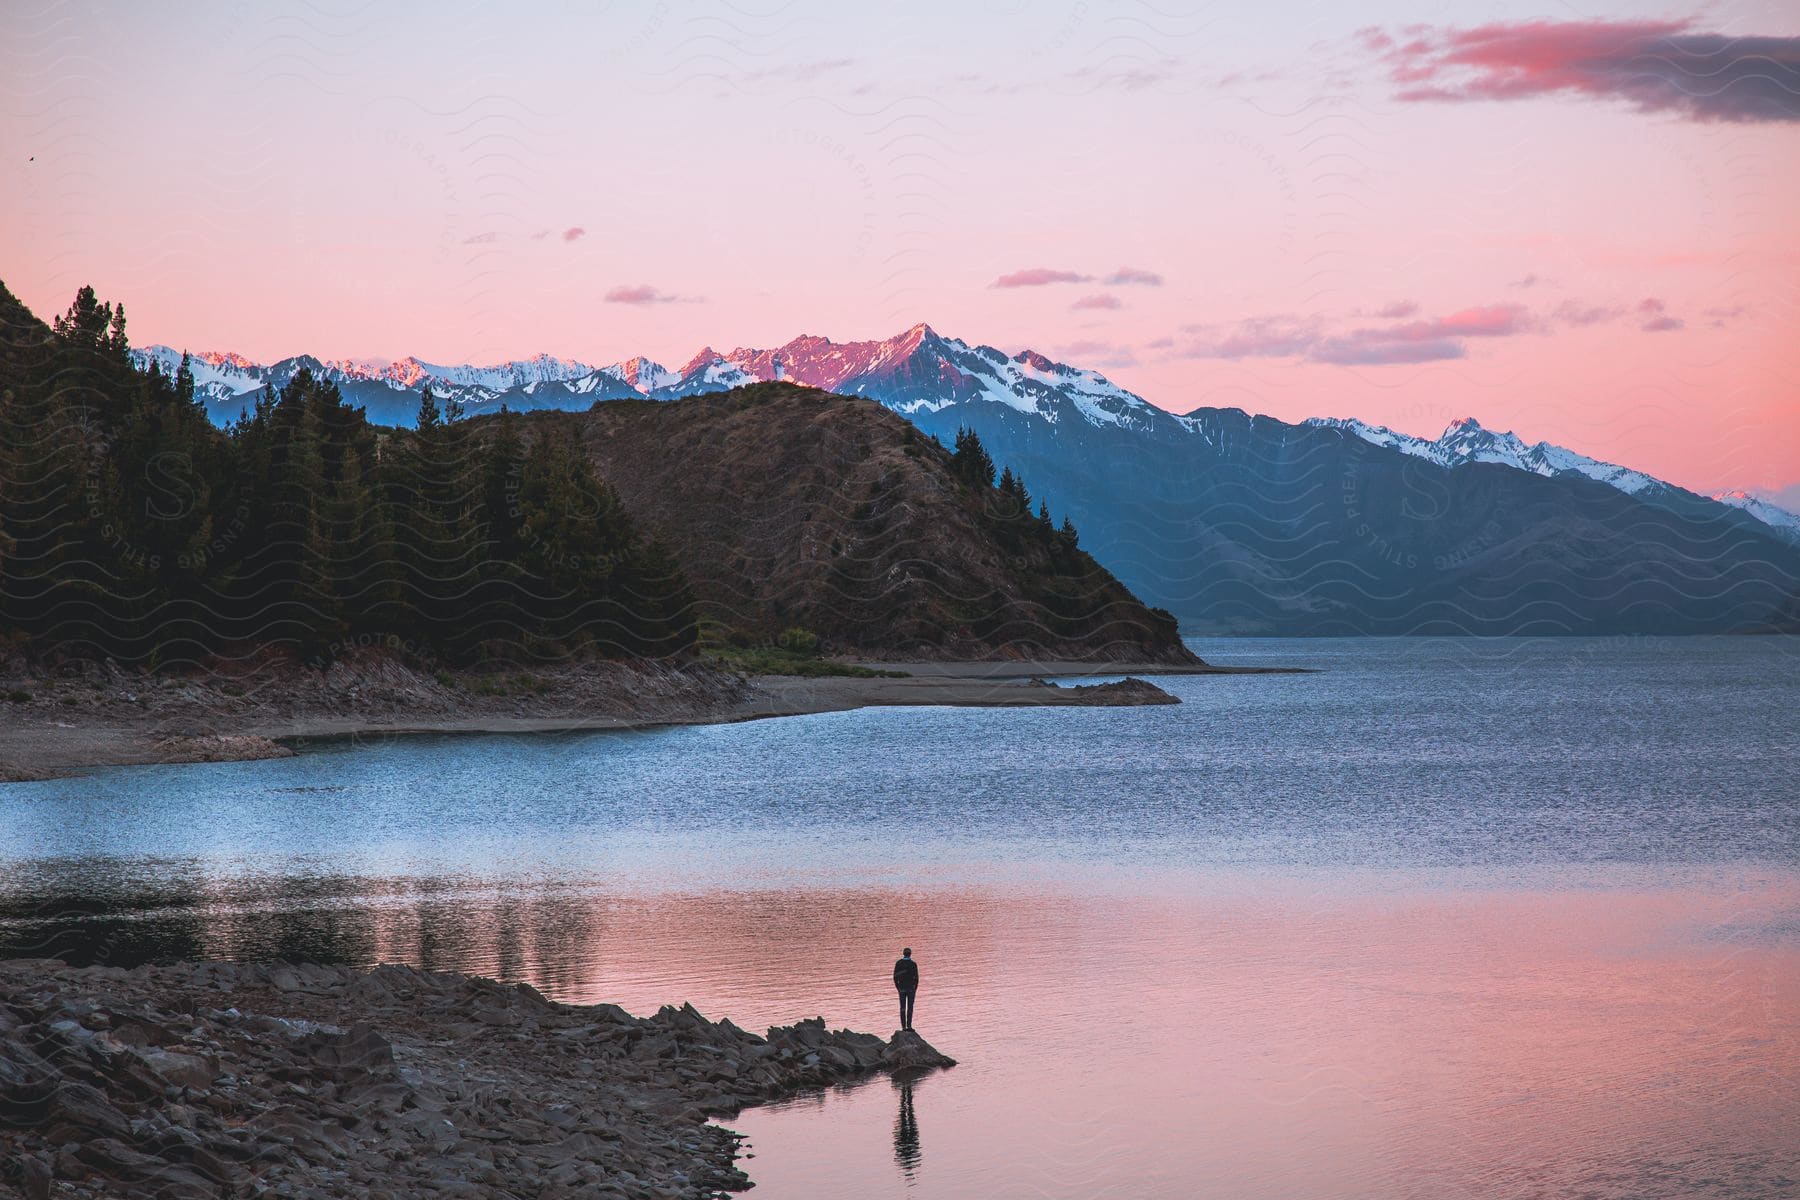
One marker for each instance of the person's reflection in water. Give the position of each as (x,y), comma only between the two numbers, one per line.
(906,1132)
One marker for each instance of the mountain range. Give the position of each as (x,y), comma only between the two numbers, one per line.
(1234,522)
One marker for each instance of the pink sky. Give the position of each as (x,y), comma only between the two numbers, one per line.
(1402,213)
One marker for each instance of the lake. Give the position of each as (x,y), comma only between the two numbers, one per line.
(1451,917)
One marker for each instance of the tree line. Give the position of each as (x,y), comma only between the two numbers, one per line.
(1010,503)
(133,528)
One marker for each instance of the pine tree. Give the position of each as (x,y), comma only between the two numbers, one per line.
(970,461)
(131,527)
(436,496)
(88,323)
(184,382)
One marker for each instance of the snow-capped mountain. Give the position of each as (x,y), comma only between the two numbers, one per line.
(933,380)
(1764,510)
(921,371)
(1235,521)
(642,375)
(1465,441)
(916,372)
(229,383)
(541,369)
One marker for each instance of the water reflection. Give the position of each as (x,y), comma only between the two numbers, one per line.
(906,1131)
(1514,921)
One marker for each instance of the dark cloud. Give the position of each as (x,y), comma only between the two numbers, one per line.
(1096,301)
(1654,66)
(1397,310)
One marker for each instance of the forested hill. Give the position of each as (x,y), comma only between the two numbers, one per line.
(132,528)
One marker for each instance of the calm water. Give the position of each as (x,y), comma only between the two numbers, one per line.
(1451,918)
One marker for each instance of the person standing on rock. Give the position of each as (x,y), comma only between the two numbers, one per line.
(906,981)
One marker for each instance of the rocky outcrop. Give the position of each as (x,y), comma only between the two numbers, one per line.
(1130,690)
(217,1079)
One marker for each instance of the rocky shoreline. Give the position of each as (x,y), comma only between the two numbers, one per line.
(309,1081)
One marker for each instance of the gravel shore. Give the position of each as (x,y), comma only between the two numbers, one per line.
(308,1081)
(92,715)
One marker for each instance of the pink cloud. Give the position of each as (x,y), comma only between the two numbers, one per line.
(573,233)
(1097,300)
(1574,312)
(1280,336)
(1433,340)
(641,293)
(1038,277)
(1130,275)
(1654,66)
(1397,310)
(1656,317)
(1493,320)
(1366,348)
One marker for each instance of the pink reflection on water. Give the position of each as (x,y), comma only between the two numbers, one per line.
(1259,1039)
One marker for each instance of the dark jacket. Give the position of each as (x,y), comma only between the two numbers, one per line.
(906,974)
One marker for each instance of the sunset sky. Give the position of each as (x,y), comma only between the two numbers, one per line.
(1580,226)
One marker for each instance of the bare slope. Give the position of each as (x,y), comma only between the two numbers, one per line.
(791,507)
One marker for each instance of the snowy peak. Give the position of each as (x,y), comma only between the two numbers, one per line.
(918,370)
(1466,441)
(539,369)
(915,371)
(643,375)
(408,374)
(1766,511)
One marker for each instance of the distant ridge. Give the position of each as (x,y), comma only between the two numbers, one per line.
(1234,522)
(915,371)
